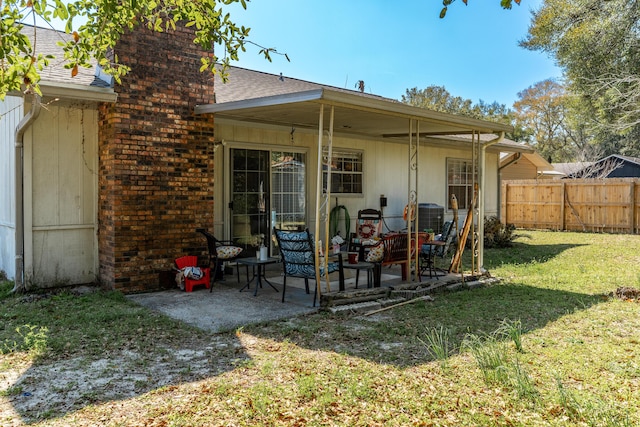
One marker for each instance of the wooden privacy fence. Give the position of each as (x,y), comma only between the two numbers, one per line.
(609,205)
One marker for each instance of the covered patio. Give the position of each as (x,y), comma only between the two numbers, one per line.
(331,112)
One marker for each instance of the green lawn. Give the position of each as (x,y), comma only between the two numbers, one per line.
(545,346)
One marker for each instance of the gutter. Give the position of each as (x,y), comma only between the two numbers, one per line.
(25,122)
(482,178)
(78,92)
(512,161)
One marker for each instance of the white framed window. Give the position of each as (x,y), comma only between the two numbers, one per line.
(460,182)
(346,171)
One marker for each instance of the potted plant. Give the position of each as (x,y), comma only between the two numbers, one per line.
(429,235)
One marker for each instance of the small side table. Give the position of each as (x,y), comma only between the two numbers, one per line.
(259,276)
(360,265)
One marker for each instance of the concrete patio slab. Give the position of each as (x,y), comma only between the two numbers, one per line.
(226,308)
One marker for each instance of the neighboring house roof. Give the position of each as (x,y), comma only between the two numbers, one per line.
(570,167)
(613,166)
(635,160)
(526,165)
(533,157)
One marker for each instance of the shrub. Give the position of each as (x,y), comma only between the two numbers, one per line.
(497,235)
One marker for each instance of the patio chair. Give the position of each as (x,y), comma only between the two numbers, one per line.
(220,251)
(185,264)
(392,249)
(368,229)
(298,258)
(429,252)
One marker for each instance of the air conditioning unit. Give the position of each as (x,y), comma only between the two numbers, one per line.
(430,215)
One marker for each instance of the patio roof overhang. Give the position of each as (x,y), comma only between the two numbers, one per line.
(355,114)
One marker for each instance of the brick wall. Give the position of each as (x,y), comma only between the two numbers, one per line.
(156,161)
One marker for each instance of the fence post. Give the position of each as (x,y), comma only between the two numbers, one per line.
(504,203)
(632,206)
(563,201)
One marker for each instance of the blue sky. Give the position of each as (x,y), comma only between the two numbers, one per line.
(393,46)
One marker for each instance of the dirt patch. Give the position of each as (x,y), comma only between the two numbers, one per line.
(44,390)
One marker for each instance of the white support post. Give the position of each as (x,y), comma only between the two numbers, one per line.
(416,245)
(322,199)
(481,201)
(475,141)
(318,199)
(327,198)
(412,192)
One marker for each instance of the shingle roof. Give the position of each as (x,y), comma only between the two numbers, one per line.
(635,160)
(245,84)
(578,168)
(46,43)
(570,168)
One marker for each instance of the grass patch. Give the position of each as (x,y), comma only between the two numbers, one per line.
(32,339)
(69,324)
(436,341)
(546,346)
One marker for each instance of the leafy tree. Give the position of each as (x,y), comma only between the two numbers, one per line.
(543,110)
(597,43)
(506,4)
(438,98)
(103,23)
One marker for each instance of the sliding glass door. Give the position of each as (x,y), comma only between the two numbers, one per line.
(289,195)
(268,189)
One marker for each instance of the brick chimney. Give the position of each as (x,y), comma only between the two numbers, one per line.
(156,160)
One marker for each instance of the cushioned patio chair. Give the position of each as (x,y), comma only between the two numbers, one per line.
(220,251)
(298,258)
(368,229)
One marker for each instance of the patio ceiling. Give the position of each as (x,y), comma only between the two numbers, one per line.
(355,114)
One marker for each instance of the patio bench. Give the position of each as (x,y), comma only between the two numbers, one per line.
(391,250)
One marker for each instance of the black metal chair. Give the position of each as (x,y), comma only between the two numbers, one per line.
(429,252)
(298,258)
(220,251)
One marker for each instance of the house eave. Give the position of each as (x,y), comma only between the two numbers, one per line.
(78,92)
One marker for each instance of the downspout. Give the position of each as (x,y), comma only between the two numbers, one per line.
(482,177)
(25,122)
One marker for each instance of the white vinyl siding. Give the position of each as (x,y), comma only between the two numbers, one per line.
(11,110)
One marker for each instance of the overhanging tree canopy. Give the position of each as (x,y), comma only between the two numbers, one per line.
(597,43)
(103,23)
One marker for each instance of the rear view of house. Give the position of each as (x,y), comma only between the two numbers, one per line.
(109,181)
